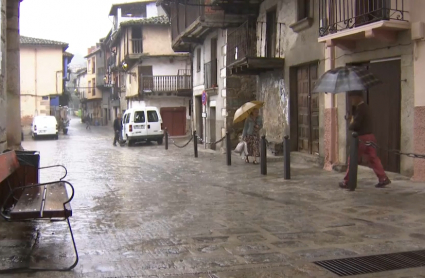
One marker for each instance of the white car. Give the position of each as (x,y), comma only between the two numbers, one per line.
(44,126)
(142,124)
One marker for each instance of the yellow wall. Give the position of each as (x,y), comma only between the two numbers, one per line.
(90,77)
(41,75)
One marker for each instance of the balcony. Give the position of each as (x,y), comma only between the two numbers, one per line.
(179,84)
(254,47)
(210,75)
(343,22)
(100,75)
(192,19)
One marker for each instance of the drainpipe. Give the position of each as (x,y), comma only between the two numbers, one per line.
(65,68)
(191,53)
(35,83)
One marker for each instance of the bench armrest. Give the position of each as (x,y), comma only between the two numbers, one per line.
(53,166)
(36,185)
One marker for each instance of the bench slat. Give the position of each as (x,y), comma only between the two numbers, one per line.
(56,195)
(29,204)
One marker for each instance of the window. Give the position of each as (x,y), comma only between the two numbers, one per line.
(89,66)
(93,66)
(303,9)
(89,83)
(139,117)
(198,60)
(152,116)
(127,118)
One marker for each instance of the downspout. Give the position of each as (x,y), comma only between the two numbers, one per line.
(65,68)
(191,53)
(35,82)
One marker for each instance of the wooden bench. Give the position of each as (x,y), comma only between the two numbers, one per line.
(21,202)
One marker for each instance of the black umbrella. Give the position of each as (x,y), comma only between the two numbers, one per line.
(345,79)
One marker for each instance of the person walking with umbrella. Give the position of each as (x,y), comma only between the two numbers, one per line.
(251,134)
(361,123)
(251,131)
(355,80)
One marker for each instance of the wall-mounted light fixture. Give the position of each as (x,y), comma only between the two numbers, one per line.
(124,66)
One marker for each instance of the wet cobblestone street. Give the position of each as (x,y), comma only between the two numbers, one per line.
(143,211)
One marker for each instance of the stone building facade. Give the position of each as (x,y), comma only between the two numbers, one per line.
(3,97)
(10,127)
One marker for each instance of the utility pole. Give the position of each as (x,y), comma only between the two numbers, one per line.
(13,126)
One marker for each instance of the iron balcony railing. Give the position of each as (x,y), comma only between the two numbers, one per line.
(339,15)
(165,83)
(137,46)
(255,39)
(211,74)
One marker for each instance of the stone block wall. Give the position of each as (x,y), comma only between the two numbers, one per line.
(271,90)
(3,104)
(239,89)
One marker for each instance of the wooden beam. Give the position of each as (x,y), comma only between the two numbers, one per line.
(383,35)
(348,45)
(191,40)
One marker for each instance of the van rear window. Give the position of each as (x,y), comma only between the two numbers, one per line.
(152,116)
(139,116)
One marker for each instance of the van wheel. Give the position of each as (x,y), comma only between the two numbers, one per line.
(160,141)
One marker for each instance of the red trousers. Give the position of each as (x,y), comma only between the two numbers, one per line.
(370,153)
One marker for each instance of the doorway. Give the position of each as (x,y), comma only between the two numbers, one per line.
(145,78)
(368,11)
(271,32)
(384,102)
(199,119)
(174,119)
(308,110)
(212,125)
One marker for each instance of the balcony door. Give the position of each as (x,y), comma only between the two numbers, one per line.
(146,78)
(271,33)
(368,11)
(137,39)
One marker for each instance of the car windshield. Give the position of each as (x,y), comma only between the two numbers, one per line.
(139,116)
(152,116)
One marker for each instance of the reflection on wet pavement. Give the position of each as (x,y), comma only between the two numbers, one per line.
(145,212)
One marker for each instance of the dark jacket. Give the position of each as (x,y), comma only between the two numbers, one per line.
(117,124)
(362,122)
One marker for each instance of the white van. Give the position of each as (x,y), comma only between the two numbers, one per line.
(44,126)
(142,124)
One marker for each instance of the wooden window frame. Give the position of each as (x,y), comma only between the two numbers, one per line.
(198,59)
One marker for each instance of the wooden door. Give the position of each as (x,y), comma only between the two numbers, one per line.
(384,103)
(174,119)
(212,124)
(145,78)
(308,110)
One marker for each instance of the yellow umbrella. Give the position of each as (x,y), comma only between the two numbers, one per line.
(243,112)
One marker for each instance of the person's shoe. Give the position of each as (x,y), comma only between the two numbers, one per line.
(343,185)
(383,184)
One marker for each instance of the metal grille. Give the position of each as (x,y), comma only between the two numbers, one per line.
(373,264)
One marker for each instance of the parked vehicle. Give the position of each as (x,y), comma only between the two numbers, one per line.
(44,126)
(142,124)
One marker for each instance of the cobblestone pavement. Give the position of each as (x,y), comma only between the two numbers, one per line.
(146,212)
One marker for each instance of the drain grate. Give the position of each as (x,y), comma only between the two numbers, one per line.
(373,264)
